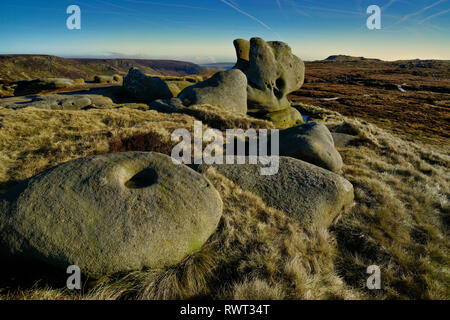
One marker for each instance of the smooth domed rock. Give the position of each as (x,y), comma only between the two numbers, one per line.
(110,213)
(146,88)
(76,103)
(311,195)
(285,118)
(242,48)
(313,143)
(225,89)
(100,102)
(272,72)
(58,83)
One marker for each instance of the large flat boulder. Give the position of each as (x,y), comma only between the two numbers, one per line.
(225,89)
(311,142)
(311,195)
(110,213)
(146,88)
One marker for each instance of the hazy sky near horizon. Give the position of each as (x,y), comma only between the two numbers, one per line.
(203,30)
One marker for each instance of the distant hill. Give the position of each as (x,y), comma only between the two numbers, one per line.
(23,67)
(428,64)
(344,58)
(219,65)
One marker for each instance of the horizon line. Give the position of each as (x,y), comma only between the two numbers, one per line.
(224,61)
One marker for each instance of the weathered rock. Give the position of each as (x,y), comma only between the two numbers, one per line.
(110,213)
(107,79)
(58,83)
(285,118)
(66,102)
(146,88)
(272,72)
(35,86)
(226,89)
(311,195)
(313,143)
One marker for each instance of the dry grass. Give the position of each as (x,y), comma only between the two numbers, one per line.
(401,218)
(400,221)
(32,140)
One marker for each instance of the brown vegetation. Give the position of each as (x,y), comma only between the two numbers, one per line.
(369,90)
(27,67)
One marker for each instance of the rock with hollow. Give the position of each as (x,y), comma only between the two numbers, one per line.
(110,213)
(272,72)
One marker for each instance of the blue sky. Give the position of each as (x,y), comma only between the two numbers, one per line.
(203,30)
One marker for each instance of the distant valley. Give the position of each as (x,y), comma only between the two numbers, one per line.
(27,67)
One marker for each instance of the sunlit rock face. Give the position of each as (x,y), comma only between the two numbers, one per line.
(272,73)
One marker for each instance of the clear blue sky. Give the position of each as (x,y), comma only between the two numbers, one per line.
(203,30)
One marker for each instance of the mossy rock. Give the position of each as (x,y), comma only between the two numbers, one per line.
(110,213)
(272,72)
(285,118)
